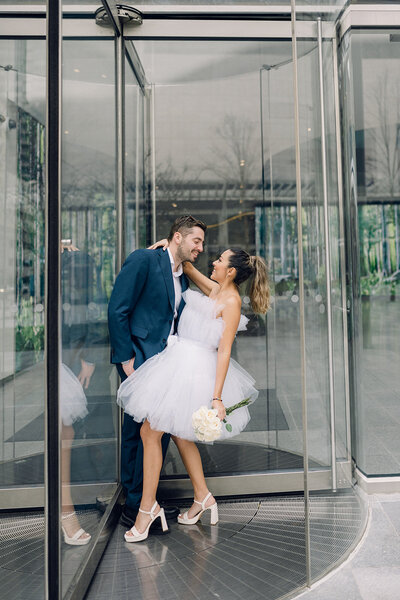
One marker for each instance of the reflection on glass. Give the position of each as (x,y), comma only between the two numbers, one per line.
(277,239)
(374,116)
(22,156)
(87,258)
(212,166)
(324,344)
(135,215)
(22,256)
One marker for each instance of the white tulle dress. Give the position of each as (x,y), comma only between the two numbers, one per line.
(73,403)
(169,387)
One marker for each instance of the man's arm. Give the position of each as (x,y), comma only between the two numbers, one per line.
(127,289)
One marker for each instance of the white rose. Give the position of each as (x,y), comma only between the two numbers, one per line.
(209,437)
(206,424)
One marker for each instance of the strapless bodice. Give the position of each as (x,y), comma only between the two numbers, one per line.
(199,321)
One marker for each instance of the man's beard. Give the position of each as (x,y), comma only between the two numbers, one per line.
(184,255)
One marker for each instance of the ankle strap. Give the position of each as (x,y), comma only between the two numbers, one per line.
(203,503)
(151,511)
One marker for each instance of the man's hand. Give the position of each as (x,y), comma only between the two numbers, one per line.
(67,245)
(86,373)
(128,367)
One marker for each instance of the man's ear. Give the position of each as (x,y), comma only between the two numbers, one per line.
(177,237)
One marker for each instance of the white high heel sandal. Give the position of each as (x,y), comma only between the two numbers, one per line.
(184,520)
(139,537)
(75,539)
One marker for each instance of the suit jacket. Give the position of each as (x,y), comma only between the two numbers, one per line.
(84,334)
(141,307)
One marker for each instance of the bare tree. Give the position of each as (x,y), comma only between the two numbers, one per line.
(233,158)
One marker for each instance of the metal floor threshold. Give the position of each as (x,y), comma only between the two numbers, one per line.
(256,551)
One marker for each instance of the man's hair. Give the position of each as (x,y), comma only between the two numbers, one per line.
(184,225)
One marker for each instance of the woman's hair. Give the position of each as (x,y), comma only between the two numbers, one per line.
(184,225)
(252,266)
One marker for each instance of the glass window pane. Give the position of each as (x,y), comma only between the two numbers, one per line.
(87,379)
(374,117)
(22,201)
(208,155)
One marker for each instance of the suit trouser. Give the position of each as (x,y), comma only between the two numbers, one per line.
(132,456)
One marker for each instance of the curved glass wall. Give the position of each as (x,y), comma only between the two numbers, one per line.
(370,80)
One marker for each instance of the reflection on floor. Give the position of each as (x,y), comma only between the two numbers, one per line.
(234,457)
(90,462)
(93,462)
(22,553)
(256,551)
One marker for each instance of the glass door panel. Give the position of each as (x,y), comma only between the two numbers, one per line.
(221,118)
(88,247)
(279,243)
(324,312)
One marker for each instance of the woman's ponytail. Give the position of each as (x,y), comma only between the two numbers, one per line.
(252,266)
(259,288)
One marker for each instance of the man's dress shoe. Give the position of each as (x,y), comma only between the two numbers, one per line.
(171,512)
(128,517)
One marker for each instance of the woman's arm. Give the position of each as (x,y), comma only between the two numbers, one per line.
(205,284)
(231,317)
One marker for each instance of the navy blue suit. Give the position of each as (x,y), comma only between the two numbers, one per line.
(140,316)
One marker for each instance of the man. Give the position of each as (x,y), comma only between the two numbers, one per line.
(143,312)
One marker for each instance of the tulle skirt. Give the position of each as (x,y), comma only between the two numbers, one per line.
(73,403)
(169,387)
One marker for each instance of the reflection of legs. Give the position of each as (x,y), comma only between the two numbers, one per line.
(191,459)
(152,462)
(70,521)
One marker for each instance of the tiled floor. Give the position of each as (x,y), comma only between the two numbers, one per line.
(256,551)
(22,554)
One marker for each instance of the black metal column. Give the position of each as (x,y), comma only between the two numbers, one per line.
(52,293)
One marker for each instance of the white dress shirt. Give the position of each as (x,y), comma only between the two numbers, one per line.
(177,287)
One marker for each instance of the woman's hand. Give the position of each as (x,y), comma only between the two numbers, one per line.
(86,372)
(161,243)
(219,406)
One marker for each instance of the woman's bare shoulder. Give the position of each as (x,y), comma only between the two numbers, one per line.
(233,302)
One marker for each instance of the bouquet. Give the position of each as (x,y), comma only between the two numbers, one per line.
(206,424)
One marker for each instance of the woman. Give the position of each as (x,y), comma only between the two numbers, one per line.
(195,370)
(73,407)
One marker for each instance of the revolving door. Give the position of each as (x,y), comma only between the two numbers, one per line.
(160,119)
